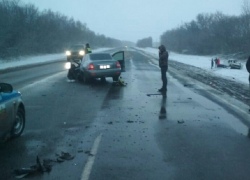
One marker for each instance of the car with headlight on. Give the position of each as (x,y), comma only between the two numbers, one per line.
(102,65)
(75,52)
(12,112)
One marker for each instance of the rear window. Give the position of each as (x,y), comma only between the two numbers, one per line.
(100,57)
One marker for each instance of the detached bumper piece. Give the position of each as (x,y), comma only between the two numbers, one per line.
(120,82)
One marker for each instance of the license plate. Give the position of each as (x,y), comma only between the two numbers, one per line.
(104,66)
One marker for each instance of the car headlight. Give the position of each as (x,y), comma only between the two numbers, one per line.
(81,53)
(68,53)
(67,65)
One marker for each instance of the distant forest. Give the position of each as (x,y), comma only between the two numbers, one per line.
(25,31)
(212,34)
(145,42)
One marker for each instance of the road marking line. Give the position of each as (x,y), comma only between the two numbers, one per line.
(91,159)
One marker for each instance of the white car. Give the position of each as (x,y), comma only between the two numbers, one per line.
(234,64)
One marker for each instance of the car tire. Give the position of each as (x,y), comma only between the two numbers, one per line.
(70,75)
(19,123)
(115,78)
(85,79)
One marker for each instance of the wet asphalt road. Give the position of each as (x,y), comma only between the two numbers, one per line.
(122,133)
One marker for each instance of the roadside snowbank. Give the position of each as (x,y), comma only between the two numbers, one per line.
(204,62)
(37,59)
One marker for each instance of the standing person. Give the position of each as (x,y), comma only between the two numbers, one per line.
(88,49)
(163,64)
(248,69)
(215,62)
(212,63)
(218,62)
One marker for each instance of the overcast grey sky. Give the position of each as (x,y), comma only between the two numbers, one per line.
(136,19)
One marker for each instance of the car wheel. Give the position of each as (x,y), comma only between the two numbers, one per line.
(85,79)
(70,75)
(19,123)
(115,78)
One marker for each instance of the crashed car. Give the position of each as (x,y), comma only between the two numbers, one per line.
(102,65)
(75,52)
(234,64)
(12,112)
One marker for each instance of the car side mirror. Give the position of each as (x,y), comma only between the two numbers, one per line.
(6,88)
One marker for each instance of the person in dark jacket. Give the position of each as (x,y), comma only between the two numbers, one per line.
(215,62)
(248,69)
(88,49)
(163,64)
(212,63)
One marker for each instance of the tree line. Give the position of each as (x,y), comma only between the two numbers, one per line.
(25,30)
(215,33)
(145,42)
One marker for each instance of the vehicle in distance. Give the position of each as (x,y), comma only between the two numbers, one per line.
(102,65)
(75,52)
(234,64)
(12,112)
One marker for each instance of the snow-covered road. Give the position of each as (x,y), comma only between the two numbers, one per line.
(28,60)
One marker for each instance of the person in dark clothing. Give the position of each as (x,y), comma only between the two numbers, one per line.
(248,69)
(88,49)
(163,64)
(212,63)
(215,62)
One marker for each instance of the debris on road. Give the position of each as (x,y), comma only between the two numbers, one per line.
(153,94)
(180,121)
(80,151)
(89,153)
(41,168)
(66,156)
(110,122)
(38,168)
(129,121)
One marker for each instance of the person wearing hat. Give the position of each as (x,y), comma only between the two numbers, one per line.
(163,64)
(88,49)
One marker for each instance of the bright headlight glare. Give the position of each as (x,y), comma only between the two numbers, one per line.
(67,65)
(81,53)
(68,53)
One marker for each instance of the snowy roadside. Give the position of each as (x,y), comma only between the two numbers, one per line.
(204,62)
(32,60)
(229,81)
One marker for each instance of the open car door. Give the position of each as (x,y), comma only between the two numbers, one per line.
(119,56)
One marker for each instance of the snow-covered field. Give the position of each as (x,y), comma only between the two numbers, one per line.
(37,59)
(204,62)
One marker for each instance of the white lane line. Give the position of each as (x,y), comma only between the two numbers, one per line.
(87,169)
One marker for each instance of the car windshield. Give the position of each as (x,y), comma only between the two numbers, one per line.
(101,56)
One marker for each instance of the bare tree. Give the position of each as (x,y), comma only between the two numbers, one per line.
(246,7)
